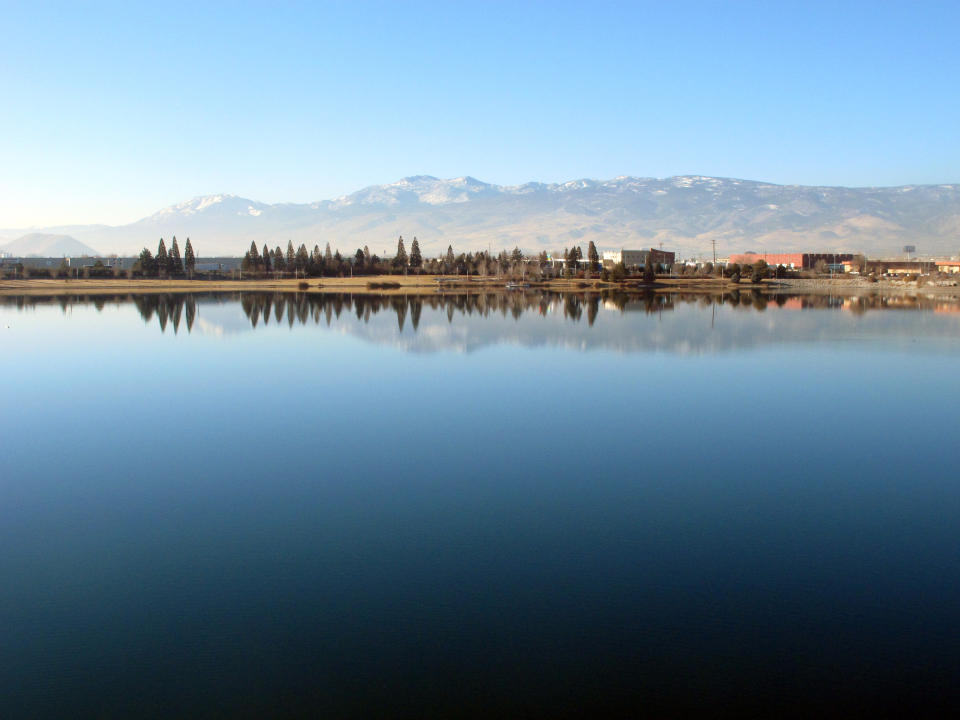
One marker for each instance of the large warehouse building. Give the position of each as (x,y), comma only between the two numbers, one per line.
(797,261)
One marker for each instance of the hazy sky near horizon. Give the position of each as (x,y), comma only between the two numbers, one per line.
(111,111)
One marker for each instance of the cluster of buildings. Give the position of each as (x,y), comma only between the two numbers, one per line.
(632,260)
(837,262)
(911,267)
(847,262)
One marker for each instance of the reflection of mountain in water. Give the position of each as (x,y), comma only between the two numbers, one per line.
(467,321)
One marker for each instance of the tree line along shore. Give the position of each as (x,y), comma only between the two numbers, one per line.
(276,265)
(301,263)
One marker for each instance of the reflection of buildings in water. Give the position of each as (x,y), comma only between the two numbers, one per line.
(645,304)
(793,303)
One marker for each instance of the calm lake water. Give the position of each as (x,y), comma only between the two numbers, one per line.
(483,506)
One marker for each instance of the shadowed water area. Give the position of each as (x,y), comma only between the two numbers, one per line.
(478,505)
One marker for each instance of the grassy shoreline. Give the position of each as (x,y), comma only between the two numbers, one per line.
(420,284)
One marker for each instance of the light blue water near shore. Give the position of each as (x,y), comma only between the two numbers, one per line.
(518,507)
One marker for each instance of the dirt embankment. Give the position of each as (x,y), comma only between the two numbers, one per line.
(859,286)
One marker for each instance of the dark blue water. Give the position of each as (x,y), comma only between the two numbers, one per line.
(491,506)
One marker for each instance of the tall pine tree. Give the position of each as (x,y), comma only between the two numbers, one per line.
(593,256)
(163,259)
(416,259)
(649,269)
(176,264)
(265,258)
(400,260)
(190,260)
(291,258)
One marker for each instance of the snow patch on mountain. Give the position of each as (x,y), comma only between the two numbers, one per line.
(687,212)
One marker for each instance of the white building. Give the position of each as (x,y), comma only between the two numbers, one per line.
(629,258)
(633,259)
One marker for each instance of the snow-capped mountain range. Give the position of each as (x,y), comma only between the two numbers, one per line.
(685,213)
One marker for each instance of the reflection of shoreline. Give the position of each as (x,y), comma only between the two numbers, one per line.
(300,307)
(621,322)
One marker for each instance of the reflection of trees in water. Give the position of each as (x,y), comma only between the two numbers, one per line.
(171,309)
(593,307)
(303,308)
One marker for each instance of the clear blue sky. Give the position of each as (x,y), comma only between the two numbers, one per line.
(109,112)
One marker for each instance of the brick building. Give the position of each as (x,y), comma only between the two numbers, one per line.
(797,261)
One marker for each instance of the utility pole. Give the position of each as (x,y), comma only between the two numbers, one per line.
(714,243)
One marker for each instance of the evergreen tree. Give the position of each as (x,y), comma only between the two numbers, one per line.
(302,258)
(517,256)
(291,258)
(450,261)
(278,261)
(400,260)
(148,264)
(327,255)
(265,258)
(191,262)
(176,264)
(358,260)
(416,260)
(649,269)
(367,257)
(162,259)
(593,256)
(254,255)
(760,270)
